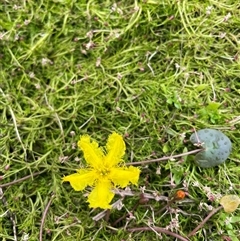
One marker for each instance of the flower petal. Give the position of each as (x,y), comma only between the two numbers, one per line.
(122,176)
(81,179)
(101,195)
(115,148)
(92,153)
(230,203)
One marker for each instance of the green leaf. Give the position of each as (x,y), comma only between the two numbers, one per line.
(202,87)
(213,106)
(165,148)
(177,175)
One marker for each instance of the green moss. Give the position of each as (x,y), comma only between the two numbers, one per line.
(149,70)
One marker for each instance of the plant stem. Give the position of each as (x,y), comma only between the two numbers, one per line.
(125,215)
(160,230)
(11,215)
(21,179)
(204,221)
(44,216)
(163,158)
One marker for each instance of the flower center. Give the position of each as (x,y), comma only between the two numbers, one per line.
(104,171)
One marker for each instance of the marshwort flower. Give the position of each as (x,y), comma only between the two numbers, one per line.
(105,170)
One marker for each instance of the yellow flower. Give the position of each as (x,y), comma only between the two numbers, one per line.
(104,171)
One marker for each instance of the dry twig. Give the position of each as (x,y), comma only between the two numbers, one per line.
(204,221)
(160,230)
(44,216)
(163,158)
(10,214)
(21,179)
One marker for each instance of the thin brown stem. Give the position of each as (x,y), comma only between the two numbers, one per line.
(21,179)
(163,158)
(160,230)
(107,215)
(44,216)
(11,215)
(125,215)
(163,208)
(204,221)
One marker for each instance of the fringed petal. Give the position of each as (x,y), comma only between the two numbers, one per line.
(122,176)
(115,149)
(92,153)
(101,195)
(81,179)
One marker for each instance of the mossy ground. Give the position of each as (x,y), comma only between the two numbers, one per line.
(149,70)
